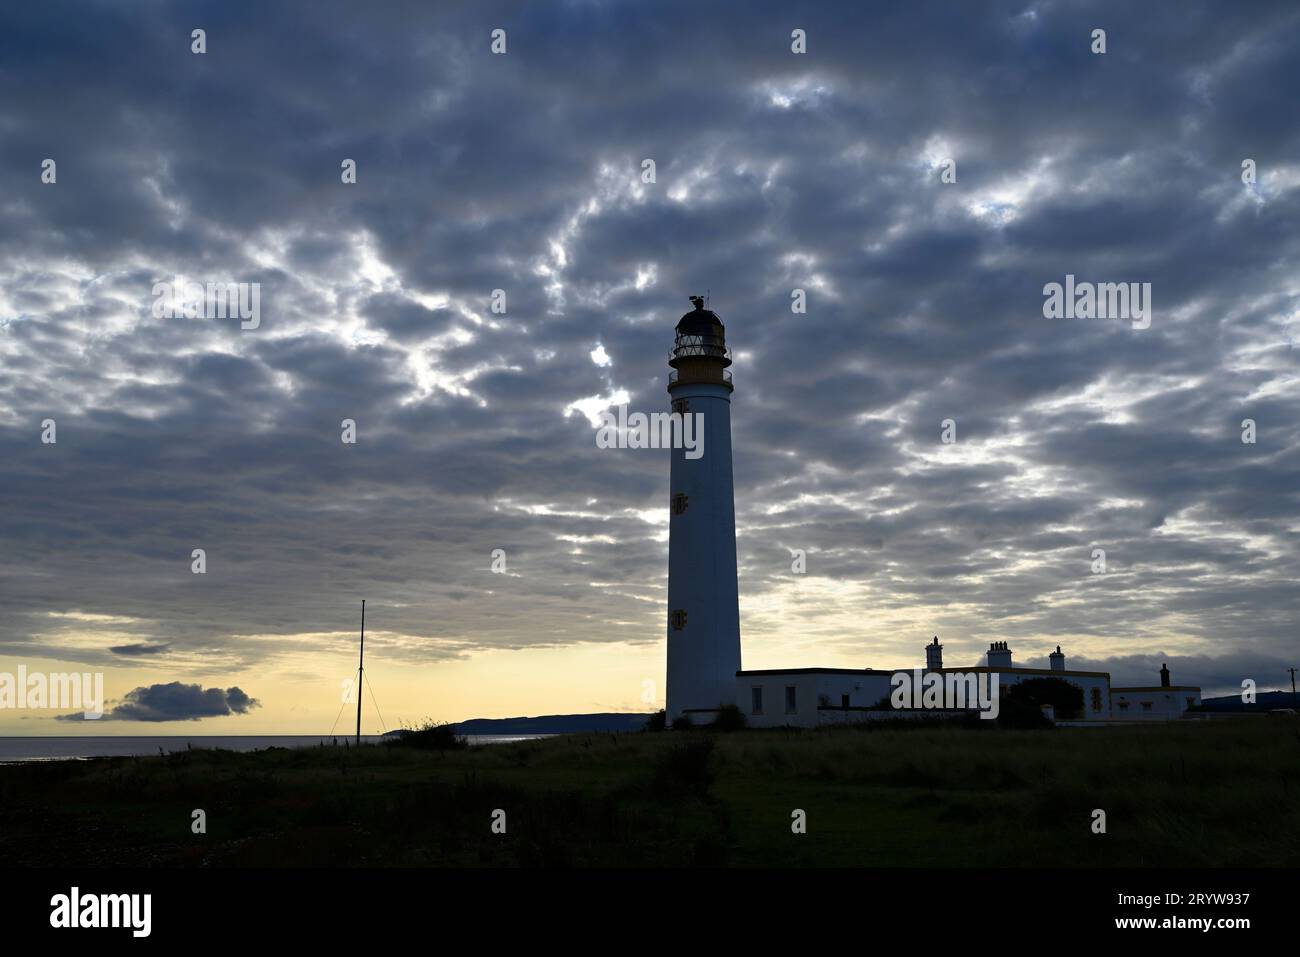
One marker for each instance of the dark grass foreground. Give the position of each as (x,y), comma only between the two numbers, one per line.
(1185,794)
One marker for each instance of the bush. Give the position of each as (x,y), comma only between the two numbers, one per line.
(730,718)
(1014,713)
(430,737)
(683,723)
(1065,698)
(657,721)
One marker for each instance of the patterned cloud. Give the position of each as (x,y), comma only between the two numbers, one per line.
(774,172)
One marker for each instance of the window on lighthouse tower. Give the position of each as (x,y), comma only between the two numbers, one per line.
(679,503)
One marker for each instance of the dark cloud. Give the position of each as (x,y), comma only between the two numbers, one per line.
(138,649)
(177,702)
(521,172)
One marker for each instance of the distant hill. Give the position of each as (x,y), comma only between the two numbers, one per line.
(1264,701)
(553,724)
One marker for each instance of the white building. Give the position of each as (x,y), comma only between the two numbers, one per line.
(809,697)
(1161,703)
(1095,685)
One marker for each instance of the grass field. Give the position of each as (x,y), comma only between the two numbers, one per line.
(1182,794)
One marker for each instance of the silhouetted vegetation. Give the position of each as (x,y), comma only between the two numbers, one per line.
(1182,794)
(683,722)
(429,737)
(657,721)
(730,718)
(686,767)
(1022,715)
(1066,699)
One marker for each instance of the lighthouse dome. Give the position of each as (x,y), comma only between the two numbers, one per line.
(700,333)
(700,321)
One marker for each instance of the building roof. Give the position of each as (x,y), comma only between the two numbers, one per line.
(982,669)
(893,671)
(813,671)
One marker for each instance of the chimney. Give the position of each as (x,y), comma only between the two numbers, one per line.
(1057,660)
(934,655)
(1164,676)
(999,655)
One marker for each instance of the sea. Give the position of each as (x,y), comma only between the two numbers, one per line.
(20,750)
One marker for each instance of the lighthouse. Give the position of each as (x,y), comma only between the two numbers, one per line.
(703,601)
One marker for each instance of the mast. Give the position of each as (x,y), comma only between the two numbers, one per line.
(361,668)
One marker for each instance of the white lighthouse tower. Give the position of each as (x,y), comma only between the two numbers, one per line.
(703,601)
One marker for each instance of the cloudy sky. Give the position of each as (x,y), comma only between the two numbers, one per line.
(775,171)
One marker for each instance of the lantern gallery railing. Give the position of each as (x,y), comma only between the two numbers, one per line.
(700,346)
